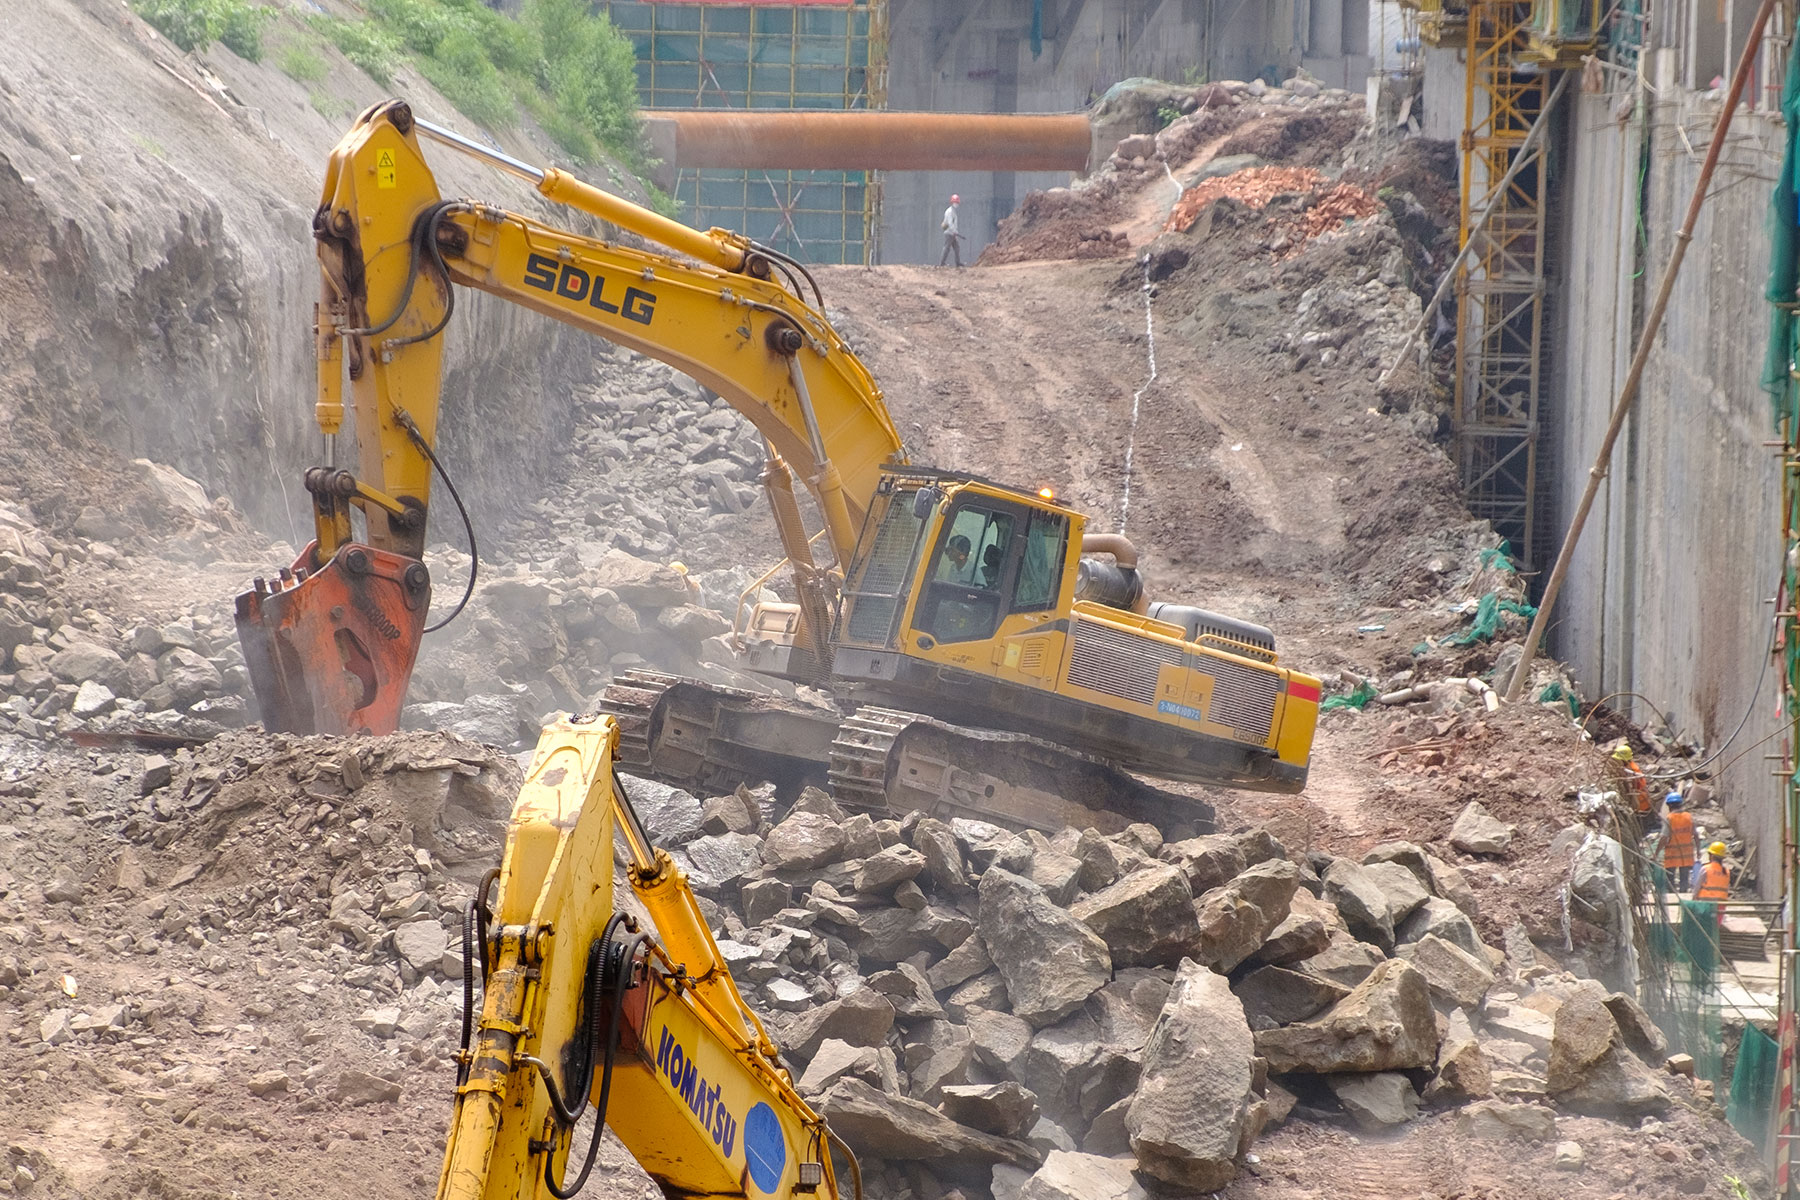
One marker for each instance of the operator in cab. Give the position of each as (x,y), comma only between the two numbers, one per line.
(952,567)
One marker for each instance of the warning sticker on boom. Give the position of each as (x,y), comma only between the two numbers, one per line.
(385,174)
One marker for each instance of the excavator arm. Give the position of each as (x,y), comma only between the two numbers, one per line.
(582,1008)
(331,642)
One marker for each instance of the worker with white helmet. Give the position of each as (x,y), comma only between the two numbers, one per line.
(952,235)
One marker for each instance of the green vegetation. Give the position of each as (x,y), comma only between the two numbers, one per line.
(301,62)
(558,61)
(197,24)
(364,43)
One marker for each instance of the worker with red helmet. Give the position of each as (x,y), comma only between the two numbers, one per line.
(952,235)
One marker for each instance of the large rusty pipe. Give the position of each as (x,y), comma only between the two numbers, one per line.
(876,141)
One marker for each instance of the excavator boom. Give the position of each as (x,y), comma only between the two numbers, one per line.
(583,1008)
(392,252)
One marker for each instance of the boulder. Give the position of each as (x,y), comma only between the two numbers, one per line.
(1516,1023)
(1191,1116)
(804,841)
(719,860)
(893,1127)
(986,992)
(1361,902)
(1442,919)
(1067,1176)
(1146,919)
(1386,1024)
(1004,1109)
(1275,996)
(186,674)
(1376,1102)
(909,992)
(1000,1041)
(1496,1119)
(91,699)
(1569,1157)
(1582,1032)
(937,1055)
(943,857)
(834,1060)
(1057,873)
(1456,977)
(862,1019)
(1298,937)
(1450,884)
(1413,857)
(1234,920)
(1620,1086)
(1345,960)
(83,661)
(889,868)
(1061,1059)
(1208,862)
(671,816)
(733,812)
(1102,862)
(421,944)
(1400,885)
(360,1087)
(1636,1027)
(986,845)
(763,898)
(1462,1066)
(1476,831)
(960,965)
(1051,962)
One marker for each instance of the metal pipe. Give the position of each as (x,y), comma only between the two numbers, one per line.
(862,140)
(1115,544)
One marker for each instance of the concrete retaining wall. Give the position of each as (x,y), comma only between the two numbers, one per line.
(1667,595)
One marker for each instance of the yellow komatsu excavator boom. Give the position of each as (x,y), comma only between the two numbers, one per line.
(582,1008)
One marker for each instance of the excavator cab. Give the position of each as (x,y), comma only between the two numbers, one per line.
(993,606)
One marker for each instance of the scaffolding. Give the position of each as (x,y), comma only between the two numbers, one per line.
(784,56)
(1500,284)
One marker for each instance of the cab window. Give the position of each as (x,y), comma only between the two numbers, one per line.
(964,583)
(1040,567)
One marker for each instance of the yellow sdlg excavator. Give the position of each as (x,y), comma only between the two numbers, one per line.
(988,655)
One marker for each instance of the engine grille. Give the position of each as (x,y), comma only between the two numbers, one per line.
(1118,663)
(1243,697)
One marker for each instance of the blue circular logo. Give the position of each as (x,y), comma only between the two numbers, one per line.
(765,1149)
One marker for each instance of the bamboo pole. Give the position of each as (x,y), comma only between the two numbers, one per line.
(1634,376)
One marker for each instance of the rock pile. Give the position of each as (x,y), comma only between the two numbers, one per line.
(981,1012)
(64,665)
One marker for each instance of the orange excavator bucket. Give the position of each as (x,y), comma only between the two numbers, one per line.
(331,650)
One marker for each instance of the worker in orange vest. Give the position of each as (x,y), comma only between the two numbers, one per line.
(1715,879)
(1677,842)
(1633,786)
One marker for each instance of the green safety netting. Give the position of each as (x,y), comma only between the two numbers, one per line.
(1499,556)
(1753,1085)
(1365,692)
(1693,995)
(1554,690)
(1487,620)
